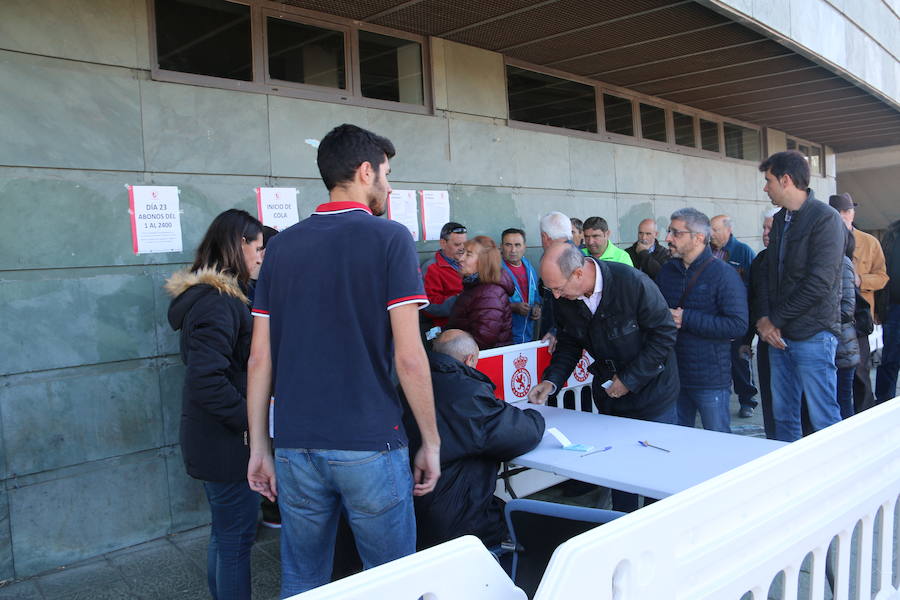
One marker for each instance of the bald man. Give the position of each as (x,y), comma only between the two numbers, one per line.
(620,317)
(647,254)
(740,256)
(481,431)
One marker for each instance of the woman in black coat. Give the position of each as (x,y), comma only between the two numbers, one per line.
(210,308)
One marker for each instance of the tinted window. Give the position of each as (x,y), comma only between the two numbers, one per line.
(709,135)
(204,37)
(653,123)
(684,129)
(390,68)
(547,100)
(305,54)
(617,115)
(741,142)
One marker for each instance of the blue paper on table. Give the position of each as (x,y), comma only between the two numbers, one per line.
(566,443)
(578,447)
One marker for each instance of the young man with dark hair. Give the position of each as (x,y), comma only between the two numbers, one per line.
(443,280)
(525,301)
(328,320)
(597,244)
(798,303)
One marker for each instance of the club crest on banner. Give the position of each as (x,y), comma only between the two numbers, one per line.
(581,369)
(520,382)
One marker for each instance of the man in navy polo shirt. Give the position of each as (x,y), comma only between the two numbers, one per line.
(328,320)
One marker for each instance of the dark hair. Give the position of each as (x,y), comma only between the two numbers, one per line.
(596,223)
(268,234)
(577,223)
(451,227)
(790,163)
(221,246)
(511,231)
(849,243)
(345,148)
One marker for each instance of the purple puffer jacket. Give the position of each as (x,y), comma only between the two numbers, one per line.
(483,310)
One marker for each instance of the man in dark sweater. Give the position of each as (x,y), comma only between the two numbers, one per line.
(647,254)
(709,305)
(798,304)
(478,431)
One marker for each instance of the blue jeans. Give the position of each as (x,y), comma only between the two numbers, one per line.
(234,507)
(804,367)
(373,487)
(712,405)
(886,376)
(845,391)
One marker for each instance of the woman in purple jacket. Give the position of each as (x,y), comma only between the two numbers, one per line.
(482,308)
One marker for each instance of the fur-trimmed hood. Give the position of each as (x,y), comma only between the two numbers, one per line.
(187,287)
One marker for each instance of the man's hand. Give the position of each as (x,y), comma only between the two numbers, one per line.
(539,393)
(677,314)
(643,245)
(426,470)
(769,333)
(536,312)
(520,308)
(617,389)
(745,351)
(261,474)
(551,341)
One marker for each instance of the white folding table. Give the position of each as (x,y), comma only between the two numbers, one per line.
(694,455)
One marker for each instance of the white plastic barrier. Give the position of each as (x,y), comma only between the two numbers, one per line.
(460,569)
(734,533)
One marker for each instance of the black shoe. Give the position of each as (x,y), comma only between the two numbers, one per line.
(746,412)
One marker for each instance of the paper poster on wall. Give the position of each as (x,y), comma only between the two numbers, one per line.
(435,212)
(402,208)
(155,218)
(277,207)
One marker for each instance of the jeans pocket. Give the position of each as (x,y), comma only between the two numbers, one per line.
(371,483)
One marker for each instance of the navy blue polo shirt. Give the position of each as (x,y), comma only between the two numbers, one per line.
(326,285)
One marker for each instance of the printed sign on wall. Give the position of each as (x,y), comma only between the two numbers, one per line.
(277,207)
(402,208)
(155,218)
(435,212)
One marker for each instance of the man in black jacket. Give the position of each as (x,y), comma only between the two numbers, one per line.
(647,254)
(478,431)
(798,304)
(620,317)
(886,378)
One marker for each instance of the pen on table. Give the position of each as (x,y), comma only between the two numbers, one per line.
(649,445)
(596,451)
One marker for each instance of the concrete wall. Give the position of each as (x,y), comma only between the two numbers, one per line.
(89,374)
(858,37)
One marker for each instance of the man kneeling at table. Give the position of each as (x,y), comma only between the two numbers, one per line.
(477,431)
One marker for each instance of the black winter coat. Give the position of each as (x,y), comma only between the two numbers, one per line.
(847,353)
(632,335)
(804,299)
(649,262)
(210,310)
(477,431)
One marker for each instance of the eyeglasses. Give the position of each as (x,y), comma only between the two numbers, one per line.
(557,291)
(676,232)
(458,230)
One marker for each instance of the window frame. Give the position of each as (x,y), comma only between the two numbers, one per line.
(262,83)
(636,99)
(803,142)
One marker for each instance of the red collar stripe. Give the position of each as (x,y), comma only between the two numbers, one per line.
(331,208)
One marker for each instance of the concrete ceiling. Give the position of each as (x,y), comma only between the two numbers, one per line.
(678,50)
(872,178)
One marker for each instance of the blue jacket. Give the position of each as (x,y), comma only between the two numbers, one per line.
(715,312)
(739,255)
(523,327)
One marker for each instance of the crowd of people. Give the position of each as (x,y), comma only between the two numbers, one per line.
(403,444)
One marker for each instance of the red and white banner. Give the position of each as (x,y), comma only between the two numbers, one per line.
(516,369)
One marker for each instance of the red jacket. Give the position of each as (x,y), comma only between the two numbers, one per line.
(483,311)
(442,282)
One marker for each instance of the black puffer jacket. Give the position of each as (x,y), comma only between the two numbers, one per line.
(478,431)
(804,299)
(211,311)
(632,334)
(847,354)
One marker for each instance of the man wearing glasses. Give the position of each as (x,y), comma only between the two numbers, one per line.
(620,317)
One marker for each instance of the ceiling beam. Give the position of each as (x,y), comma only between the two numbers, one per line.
(679,57)
(391,10)
(506,15)
(712,69)
(816,93)
(774,87)
(740,80)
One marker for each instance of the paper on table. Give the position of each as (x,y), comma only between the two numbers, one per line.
(560,436)
(435,212)
(402,208)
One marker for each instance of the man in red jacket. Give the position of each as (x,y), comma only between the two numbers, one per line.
(443,282)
